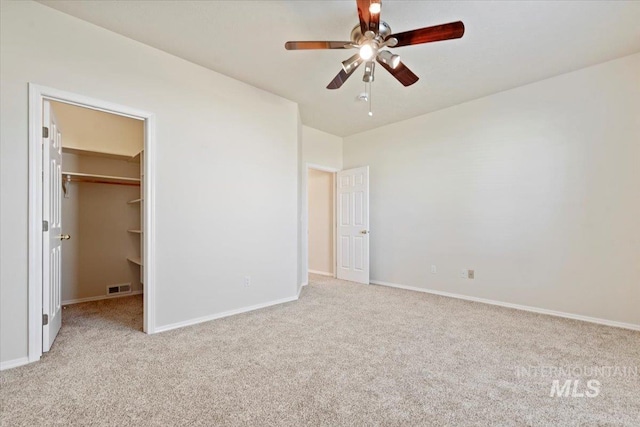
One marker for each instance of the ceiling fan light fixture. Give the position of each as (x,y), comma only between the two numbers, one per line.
(370,36)
(368,72)
(367,51)
(351,63)
(389,58)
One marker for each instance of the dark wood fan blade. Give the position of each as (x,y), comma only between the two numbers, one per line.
(342,77)
(363,14)
(403,74)
(368,21)
(453,30)
(374,18)
(316,45)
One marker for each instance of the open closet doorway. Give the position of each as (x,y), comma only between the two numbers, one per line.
(321,221)
(91,229)
(101,208)
(349,207)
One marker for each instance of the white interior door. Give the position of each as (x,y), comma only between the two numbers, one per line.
(52,235)
(353,225)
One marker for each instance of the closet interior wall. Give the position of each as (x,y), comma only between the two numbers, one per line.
(104,223)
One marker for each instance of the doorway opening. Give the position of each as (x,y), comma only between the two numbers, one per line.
(90,209)
(321,222)
(349,204)
(101,209)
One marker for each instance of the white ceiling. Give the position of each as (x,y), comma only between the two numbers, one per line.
(506,44)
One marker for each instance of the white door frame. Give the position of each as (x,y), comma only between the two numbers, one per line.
(305,210)
(37,94)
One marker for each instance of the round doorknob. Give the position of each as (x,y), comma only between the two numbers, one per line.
(64,237)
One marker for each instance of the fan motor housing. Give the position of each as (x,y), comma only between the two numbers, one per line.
(384,31)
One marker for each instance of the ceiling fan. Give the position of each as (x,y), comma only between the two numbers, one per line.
(371,36)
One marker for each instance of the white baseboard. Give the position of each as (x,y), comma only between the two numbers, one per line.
(514,306)
(300,288)
(101,297)
(223,314)
(321,273)
(14,363)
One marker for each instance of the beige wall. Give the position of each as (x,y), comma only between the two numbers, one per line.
(97,217)
(224,151)
(91,130)
(535,188)
(321,148)
(321,229)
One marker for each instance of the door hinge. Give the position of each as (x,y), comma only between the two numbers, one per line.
(45,132)
(45,319)
(45,225)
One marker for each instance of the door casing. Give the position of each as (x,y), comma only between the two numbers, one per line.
(37,94)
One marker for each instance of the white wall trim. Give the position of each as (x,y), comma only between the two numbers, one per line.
(301,287)
(321,273)
(223,314)
(14,363)
(149,224)
(37,94)
(98,298)
(514,306)
(321,168)
(34,286)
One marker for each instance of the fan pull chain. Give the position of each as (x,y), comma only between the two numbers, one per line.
(370,109)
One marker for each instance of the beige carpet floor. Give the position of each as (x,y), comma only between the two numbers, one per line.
(343,355)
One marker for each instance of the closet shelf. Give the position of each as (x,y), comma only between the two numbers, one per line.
(135,231)
(135,158)
(100,179)
(103,154)
(131,202)
(135,260)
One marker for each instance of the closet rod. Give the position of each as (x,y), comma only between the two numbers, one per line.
(97,181)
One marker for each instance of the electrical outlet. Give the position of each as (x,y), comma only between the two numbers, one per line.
(471,274)
(434,270)
(247,281)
